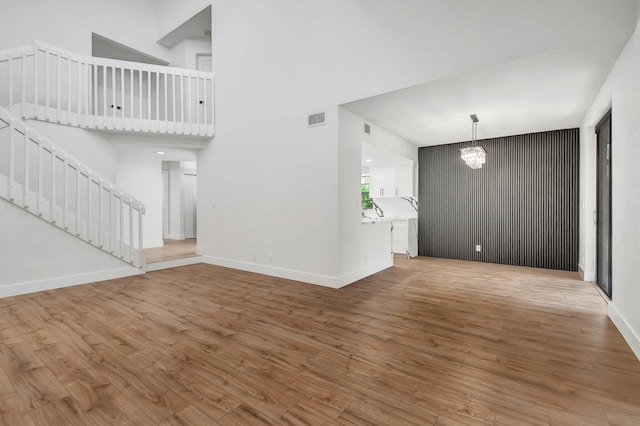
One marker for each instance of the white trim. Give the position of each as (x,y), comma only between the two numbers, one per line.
(629,334)
(156,266)
(291,274)
(68,281)
(586,275)
(199,250)
(176,237)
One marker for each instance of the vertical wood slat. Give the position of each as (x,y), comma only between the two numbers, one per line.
(105,110)
(65,195)
(58,60)
(78,174)
(140,96)
(121,207)
(114,91)
(26,169)
(46,83)
(521,207)
(40,180)
(52,201)
(12,165)
(35,81)
(89,210)
(130,231)
(23,81)
(122,102)
(140,252)
(10,80)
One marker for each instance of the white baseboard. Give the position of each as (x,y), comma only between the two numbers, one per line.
(629,334)
(152,244)
(291,274)
(586,275)
(176,237)
(68,281)
(363,273)
(156,266)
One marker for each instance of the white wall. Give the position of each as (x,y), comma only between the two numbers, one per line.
(623,89)
(170,14)
(36,256)
(69,23)
(271,187)
(140,175)
(90,148)
(183,54)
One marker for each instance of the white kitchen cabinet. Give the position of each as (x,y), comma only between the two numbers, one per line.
(404,237)
(393,181)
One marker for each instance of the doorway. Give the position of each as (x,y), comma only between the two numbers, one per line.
(603,204)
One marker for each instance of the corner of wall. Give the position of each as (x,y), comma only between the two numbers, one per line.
(630,335)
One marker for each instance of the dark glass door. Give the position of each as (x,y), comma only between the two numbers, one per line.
(603,204)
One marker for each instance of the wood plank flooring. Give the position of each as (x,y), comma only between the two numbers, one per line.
(427,342)
(172,250)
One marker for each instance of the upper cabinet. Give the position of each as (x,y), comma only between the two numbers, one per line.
(391,181)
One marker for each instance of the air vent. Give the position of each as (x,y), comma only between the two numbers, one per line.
(317,119)
(367,128)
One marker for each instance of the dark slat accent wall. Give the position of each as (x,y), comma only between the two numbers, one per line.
(521,207)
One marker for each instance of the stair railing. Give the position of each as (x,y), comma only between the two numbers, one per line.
(49,83)
(42,179)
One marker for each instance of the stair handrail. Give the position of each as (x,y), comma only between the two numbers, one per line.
(82,170)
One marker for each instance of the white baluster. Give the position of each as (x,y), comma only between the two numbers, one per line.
(23,82)
(121,205)
(12,166)
(130,231)
(35,82)
(58,60)
(65,193)
(111,227)
(46,85)
(89,210)
(114,91)
(10,80)
(40,184)
(26,168)
(52,202)
(140,252)
(78,175)
(104,93)
(100,213)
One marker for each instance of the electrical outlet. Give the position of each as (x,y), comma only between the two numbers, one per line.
(478,248)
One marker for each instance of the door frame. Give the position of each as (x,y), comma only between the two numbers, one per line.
(599,254)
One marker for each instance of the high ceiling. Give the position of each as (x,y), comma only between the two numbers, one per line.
(547,91)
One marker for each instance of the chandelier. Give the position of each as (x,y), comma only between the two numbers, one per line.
(475,156)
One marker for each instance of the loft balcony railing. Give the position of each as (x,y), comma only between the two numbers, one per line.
(48,83)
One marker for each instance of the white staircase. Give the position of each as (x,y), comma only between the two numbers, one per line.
(45,82)
(48,183)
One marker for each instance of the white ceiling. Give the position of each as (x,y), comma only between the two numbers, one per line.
(380,157)
(547,91)
(192,28)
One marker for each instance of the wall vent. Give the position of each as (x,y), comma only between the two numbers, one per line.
(317,119)
(367,128)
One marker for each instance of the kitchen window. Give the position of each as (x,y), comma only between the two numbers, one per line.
(367,201)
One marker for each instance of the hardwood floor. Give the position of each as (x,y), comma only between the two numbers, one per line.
(172,250)
(427,342)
